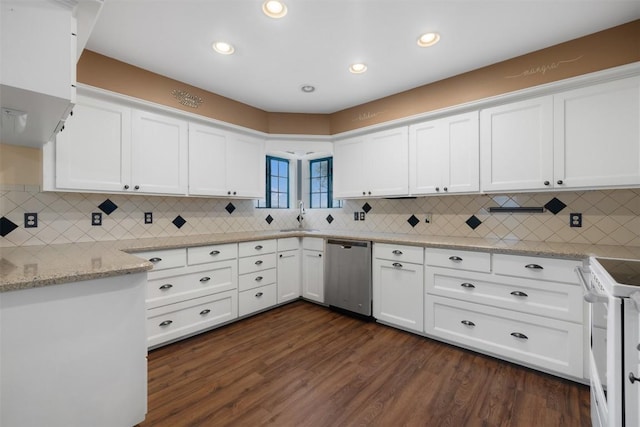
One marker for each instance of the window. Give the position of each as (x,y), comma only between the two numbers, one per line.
(277,184)
(321,177)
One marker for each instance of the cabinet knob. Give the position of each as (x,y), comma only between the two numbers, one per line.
(126,186)
(258,279)
(467,323)
(519,335)
(228,193)
(259,294)
(165,323)
(165,287)
(234,193)
(320,255)
(280,255)
(519,294)
(205,312)
(369,192)
(137,187)
(364,193)
(633,378)
(259,262)
(205,279)
(560,182)
(437,188)
(445,189)
(547,183)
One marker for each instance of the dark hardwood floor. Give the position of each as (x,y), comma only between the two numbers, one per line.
(304,365)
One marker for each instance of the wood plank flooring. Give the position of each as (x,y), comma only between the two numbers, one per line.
(304,365)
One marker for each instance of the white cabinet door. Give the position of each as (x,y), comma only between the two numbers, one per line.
(159,156)
(516,146)
(93,151)
(207,160)
(444,155)
(288,275)
(313,275)
(386,162)
(398,293)
(597,135)
(348,164)
(245,166)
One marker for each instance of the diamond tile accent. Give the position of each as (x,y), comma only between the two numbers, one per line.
(413,220)
(107,207)
(329,219)
(554,206)
(230,208)
(366,207)
(269,219)
(473,222)
(6,226)
(179,221)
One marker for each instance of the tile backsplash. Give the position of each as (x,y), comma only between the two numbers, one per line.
(609,217)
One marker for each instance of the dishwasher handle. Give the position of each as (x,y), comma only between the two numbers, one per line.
(348,244)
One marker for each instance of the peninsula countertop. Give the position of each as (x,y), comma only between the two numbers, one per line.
(35,266)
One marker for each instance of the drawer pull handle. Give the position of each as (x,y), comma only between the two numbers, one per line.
(633,378)
(259,278)
(455,258)
(258,247)
(155,260)
(397,265)
(534,266)
(205,312)
(213,253)
(205,279)
(519,335)
(519,294)
(468,323)
(165,287)
(165,323)
(396,252)
(258,262)
(259,294)
(467,285)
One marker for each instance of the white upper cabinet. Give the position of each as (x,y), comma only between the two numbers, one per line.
(224,163)
(444,155)
(92,152)
(159,154)
(516,146)
(373,165)
(597,135)
(38,69)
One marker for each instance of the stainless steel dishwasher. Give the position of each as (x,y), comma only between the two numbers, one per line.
(348,276)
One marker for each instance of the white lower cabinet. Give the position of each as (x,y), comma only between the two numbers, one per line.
(289,269)
(313,269)
(526,309)
(398,285)
(258,277)
(189,291)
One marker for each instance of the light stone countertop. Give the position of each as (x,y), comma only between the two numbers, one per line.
(35,266)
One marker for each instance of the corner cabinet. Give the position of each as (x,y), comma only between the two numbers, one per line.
(224,163)
(109,147)
(444,155)
(373,165)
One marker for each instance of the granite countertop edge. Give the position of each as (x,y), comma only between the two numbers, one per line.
(36,266)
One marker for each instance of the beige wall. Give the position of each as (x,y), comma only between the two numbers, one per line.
(20,165)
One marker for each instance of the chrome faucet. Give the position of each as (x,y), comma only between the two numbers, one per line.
(301,213)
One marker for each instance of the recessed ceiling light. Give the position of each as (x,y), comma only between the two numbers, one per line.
(358,68)
(307,88)
(428,39)
(223,48)
(274,8)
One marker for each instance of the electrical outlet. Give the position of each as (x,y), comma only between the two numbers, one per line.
(30,220)
(361,216)
(96,218)
(575,220)
(356,216)
(427,218)
(148,217)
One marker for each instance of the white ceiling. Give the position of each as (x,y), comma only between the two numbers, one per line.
(318,39)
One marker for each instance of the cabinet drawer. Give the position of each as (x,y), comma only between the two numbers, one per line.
(222,276)
(313,243)
(174,321)
(558,270)
(256,248)
(461,260)
(257,279)
(256,263)
(412,254)
(168,258)
(532,340)
(288,244)
(211,253)
(257,299)
(558,300)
